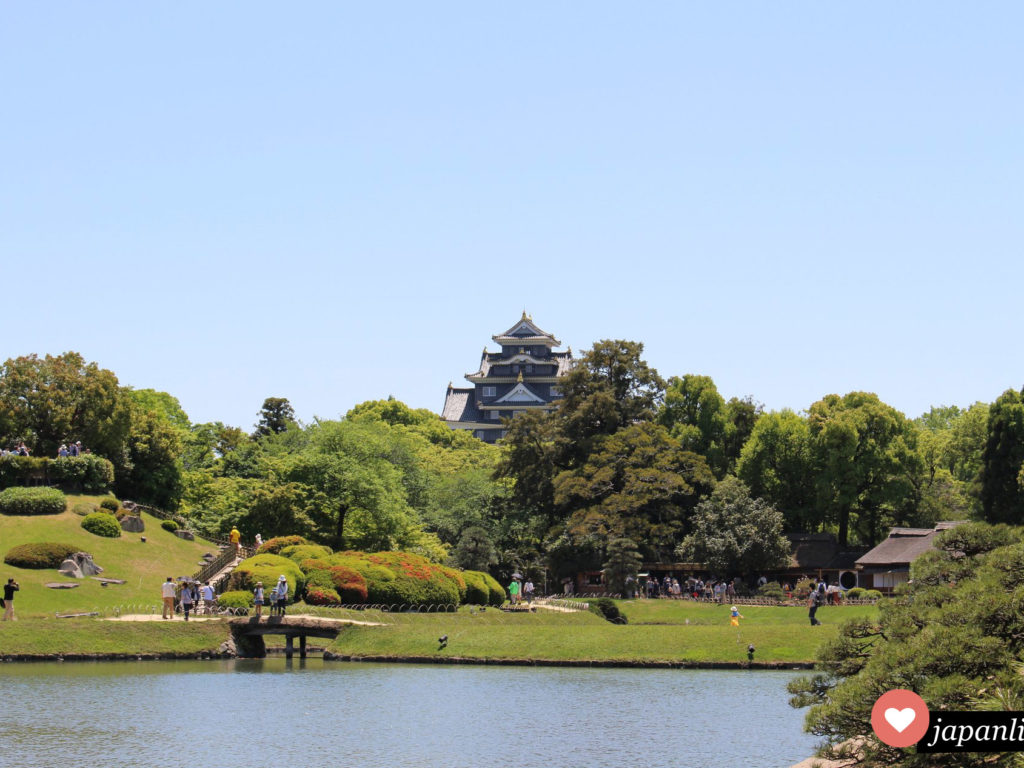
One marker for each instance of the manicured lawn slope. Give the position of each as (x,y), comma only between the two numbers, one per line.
(142,566)
(779,634)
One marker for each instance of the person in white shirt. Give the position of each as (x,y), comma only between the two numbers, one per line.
(167,590)
(209,598)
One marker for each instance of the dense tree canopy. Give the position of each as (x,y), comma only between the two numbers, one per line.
(1002,496)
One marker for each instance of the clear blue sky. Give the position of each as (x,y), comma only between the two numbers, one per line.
(336,202)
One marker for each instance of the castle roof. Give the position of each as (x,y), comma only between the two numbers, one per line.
(562,359)
(460,405)
(525,331)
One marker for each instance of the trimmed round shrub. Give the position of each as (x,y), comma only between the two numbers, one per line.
(322,596)
(477,592)
(275,545)
(456,577)
(169,525)
(350,584)
(83,508)
(872,594)
(32,501)
(102,524)
(267,568)
(498,593)
(299,552)
(43,554)
(236,599)
(416,581)
(857,593)
(111,504)
(606,608)
(313,564)
(322,579)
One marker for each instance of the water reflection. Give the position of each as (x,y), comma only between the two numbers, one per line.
(307,712)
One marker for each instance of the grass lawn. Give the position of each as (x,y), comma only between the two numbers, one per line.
(97,636)
(658,631)
(142,566)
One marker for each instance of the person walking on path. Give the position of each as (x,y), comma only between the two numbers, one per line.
(167,592)
(187,599)
(236,540)
(812,607)
(209,598)
(257,598)
(528,591)
(513,592)
(9,589)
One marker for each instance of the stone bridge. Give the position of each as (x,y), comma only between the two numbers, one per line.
(248,633)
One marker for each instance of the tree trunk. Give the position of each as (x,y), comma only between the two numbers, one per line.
(339,531)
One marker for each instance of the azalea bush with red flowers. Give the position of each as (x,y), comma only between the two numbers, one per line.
(322,596)
(351,584)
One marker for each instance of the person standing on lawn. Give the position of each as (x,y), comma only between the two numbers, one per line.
(9,589)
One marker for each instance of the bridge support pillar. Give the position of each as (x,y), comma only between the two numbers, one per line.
(302,646)
(289,649)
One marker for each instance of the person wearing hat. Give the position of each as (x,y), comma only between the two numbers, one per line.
(281,594)
(257,598)
(735,616)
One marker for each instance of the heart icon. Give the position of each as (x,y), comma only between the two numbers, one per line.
(900,719)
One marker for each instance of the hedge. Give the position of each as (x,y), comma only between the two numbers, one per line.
(267,568)
(110,504)
(32,501)
(483,589)
(401,578)
(275,545)
(43,554)
(237,599)
(102,524)
(322,596)
(350,584)
(314,564)
(88,473)
(322,579)
(169,525)
(299,552)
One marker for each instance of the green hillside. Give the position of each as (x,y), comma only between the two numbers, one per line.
(142,565)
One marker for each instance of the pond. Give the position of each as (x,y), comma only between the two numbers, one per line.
(311,713)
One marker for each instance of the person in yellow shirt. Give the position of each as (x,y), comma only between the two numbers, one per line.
(236,539)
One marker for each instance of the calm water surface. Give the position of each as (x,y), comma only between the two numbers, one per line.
(315,713)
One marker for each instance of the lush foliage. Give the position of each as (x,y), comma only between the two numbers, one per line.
(169,525)
(87,473)
(102,524)
(349,583)
(110,504)
(734,534)
(43,554)
(236,598)
(299,552)
(622,566)
(953,635)
(324,596)
(608,609)
(267,568)
(31,501)
(275,545)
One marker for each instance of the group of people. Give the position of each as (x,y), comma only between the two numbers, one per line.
(692,588)
(518,591)
(70,450)
(188,594)
(278,597)
(20,450)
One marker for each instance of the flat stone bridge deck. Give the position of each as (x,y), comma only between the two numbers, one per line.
(248,632)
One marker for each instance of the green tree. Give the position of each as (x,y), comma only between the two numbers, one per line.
(734,534)
(622,564)
(275,416)
(777,465)
(695,414)
(47,401)
(866,463)
(153,473)
(475,550)
(638,483)
(161,403)
(1002,498)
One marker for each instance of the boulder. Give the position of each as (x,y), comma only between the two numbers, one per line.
(186,535)
(132,524)
(79,565)
(131,506)
(62,584)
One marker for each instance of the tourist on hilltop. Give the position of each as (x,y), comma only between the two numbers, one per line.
(209,598)
(23,450)
(259,541)
(167,592)
(257,598)
(188,598)
(236,540)
(62,452)
(9,589)
(75,449)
